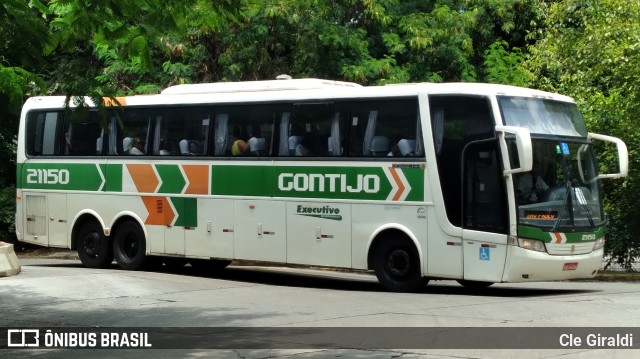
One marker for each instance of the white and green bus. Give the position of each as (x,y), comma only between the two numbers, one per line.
(476,183)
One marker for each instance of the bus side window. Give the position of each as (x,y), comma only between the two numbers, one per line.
(247,130)
(181,131)
(81,138)
(44,133)
(384,128)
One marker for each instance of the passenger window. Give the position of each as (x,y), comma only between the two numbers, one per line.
(85,137)
(44,133)
(246,130)
(182,131)
(134,136)
(386,128)
(313,130)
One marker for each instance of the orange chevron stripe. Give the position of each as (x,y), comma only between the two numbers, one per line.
(401,187)
(558,237)
(144,177)
(198,177)
(160,212)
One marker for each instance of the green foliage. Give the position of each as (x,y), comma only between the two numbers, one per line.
(591,51)
(16,83)
(370,42)
(7,212)
(504,67)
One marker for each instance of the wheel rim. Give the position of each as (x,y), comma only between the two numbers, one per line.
(399,263)
(130,246)
(90,244)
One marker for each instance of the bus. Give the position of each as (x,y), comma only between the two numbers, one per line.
(411,182)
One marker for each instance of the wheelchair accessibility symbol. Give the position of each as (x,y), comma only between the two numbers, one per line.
(485,255)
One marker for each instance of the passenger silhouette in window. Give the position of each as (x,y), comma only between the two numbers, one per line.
(138,147)
(239,148)
(531,186)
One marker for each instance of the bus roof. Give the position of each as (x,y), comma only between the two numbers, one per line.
(255,86)
(302,90)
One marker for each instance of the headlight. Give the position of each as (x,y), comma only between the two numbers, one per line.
(599,243)
(532,244)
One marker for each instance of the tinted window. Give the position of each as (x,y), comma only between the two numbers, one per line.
(246,130)
(385,128)
(182,131)
(43,133)
(84,137)
(470,178)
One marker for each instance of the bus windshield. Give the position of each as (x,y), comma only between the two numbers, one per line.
(543,116)
(560,193)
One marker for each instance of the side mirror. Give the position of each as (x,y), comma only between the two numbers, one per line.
(523,143)
(623,155)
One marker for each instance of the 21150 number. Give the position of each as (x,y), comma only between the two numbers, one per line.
(47,176)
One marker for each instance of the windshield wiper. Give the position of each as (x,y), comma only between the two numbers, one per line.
(564,206)
(582,201)
(571,186)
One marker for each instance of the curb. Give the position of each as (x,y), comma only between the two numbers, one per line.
(9,264)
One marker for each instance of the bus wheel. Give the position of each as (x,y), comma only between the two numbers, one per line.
(397,266)
(474,284)
(94,249)
(129,246)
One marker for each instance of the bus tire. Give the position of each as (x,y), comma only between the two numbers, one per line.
(474,284)
(94,248)
(129,246)
(397,266)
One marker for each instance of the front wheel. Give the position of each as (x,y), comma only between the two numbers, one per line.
(94,249)
(129,246)
(397,266)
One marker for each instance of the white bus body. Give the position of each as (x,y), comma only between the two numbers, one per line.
(411,181)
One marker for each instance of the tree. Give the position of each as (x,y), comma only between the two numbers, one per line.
(371,41)
(87,47)
(590,50)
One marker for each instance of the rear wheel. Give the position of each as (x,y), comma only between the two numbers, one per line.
(94,248)
(397,266)
(129,246)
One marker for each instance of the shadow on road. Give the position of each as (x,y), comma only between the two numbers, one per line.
(334,280)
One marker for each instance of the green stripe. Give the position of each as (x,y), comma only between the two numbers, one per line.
(415,177)
(114,178)
(364,183)
(241,180)
(172,179)
(322,182)
(61,176)
(326,182)
(572,237)
(187,211)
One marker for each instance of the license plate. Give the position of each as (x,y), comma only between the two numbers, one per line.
(570,266)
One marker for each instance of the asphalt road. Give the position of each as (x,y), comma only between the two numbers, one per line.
(51,293)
